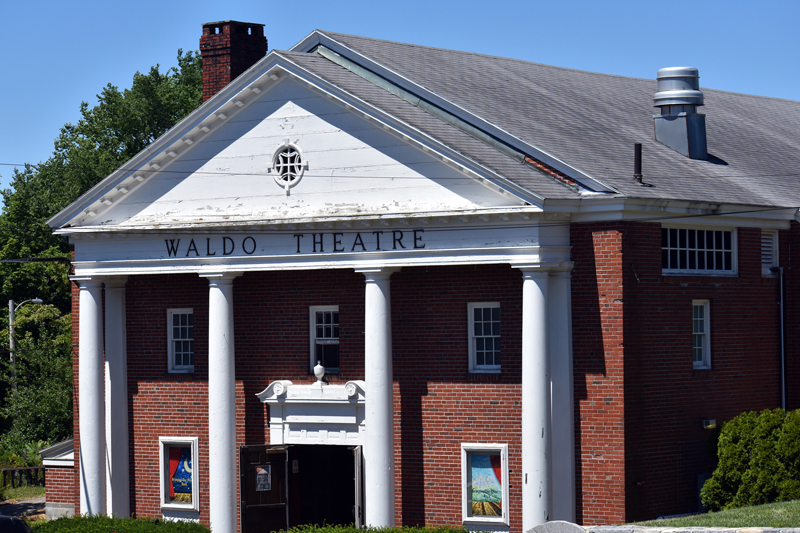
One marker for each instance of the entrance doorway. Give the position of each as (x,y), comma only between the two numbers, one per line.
(287,485)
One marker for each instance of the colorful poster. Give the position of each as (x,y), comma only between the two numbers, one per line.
(180,469)
(487,489)
(264,478)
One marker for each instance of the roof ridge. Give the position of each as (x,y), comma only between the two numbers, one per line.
(557,67)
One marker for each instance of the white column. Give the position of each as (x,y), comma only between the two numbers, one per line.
(117,467)
(536,470)
(379,435)
(562,387)
(221,405)
(90,398)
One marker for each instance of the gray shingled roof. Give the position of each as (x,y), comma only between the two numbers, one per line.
(591,121)
(522,174)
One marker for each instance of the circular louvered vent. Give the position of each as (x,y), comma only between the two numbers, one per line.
(288,164)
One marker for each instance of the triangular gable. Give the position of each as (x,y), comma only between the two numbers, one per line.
(215,166)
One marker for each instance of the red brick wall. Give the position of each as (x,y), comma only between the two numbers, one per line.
(639,402)
(437,404)
(62,486)
(636,331)
(789,253)
(598,366)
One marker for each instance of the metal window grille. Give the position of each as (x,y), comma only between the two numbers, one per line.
(696,250)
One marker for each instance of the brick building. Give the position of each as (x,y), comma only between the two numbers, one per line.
(382,283)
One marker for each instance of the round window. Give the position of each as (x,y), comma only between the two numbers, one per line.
(288,164)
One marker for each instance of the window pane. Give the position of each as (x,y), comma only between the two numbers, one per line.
(485,484)
(180,474)
(330,355)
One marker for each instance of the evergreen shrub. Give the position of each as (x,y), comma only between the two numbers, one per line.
(105,524)
(759,461)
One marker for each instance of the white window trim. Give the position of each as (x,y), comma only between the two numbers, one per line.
(163,468)
(467,448)
(716,273)
(773,235)
(705,364)
(312,335)
(172,367)
(473,367)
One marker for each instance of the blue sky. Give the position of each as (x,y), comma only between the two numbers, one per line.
(55,54)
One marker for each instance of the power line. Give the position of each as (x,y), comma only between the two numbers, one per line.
(271,174)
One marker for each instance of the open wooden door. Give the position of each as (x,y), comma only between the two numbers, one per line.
(358,479)
(264,488)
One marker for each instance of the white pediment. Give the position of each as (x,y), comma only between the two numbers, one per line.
(354,168)
(316,413)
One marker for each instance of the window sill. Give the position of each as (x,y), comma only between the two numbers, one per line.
(484,376)
(702,273)
(179,376)
(177,507)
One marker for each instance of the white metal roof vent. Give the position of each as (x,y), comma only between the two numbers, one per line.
(679,125)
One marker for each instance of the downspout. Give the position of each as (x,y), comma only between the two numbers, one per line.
(779,271)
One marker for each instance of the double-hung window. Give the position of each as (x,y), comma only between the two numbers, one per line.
(698,251)
(324,322)
(484,336)
(701,341)
(180,334)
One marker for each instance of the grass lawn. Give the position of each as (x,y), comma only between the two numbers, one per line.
(24,493)
(782,514)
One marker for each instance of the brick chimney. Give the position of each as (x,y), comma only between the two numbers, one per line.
(228,48)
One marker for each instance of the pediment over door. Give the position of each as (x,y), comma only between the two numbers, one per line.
(317,413)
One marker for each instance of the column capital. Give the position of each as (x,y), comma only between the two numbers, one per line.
(88,282)
(545,267)
(378,273)
(98,281)
(115,282)
(220,278)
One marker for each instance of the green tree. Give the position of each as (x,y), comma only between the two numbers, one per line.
(41,404)
(107,135)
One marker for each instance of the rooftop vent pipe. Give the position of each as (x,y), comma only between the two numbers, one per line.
(679,125)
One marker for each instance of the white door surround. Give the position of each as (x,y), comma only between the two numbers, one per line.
(316,413)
